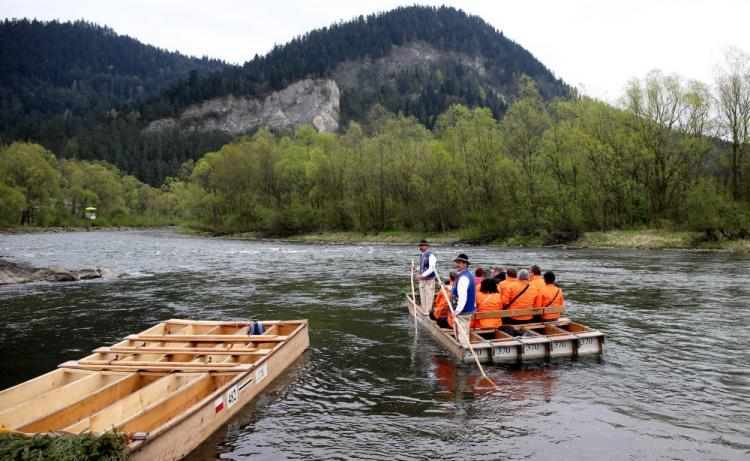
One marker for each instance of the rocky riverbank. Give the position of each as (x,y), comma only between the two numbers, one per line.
(22,273)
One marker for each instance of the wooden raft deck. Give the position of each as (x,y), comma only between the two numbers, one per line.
(559,338)
(169,387)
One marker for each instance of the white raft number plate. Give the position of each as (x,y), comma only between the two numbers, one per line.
(503,350)
(261,373)
(532,347)
(232,396)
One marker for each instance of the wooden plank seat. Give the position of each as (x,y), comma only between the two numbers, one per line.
(63,413)
(40,405)
(162,367)
(144,401)
(207,338)
(175,350)
(186,350)
(517,312)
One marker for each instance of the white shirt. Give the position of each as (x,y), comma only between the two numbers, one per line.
(463,292)
(431,263)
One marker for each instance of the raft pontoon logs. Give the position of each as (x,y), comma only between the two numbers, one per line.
(544,340)
(172,385)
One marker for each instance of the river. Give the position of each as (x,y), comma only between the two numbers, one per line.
(673,383)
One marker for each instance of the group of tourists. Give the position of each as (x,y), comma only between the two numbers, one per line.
(477,291)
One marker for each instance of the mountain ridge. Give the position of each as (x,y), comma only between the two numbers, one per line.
(418,61)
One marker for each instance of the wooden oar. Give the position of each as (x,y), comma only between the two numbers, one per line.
(460,327)
(413,296)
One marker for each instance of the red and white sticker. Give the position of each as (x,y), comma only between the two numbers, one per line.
(219,404)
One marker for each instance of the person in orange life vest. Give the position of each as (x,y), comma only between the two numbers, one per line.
(536,277)
(509,281)
(521,295)
(551,296)
(488,299)
(478,277)
(426,276)
(441,308)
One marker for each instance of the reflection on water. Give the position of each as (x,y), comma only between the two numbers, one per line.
(674,381)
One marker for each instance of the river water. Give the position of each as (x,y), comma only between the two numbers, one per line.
(674,382)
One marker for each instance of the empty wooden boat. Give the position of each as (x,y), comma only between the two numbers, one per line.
(167,388)
(559,338)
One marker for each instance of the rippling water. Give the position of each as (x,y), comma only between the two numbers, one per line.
(674,382)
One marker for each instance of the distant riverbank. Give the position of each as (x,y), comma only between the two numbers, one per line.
(648,239)
(55,229)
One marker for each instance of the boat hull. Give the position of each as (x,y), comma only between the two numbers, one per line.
(182,436)
(167,388)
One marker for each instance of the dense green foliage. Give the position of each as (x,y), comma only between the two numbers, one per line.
(548,169)
(84,92)
(39,189)
(57,78)
(109,446)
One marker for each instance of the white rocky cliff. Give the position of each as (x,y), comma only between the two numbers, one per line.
(307,102)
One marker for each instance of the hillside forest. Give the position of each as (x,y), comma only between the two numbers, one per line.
(84,92)
(673,155)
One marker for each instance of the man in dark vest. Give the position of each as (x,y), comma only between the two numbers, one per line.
(464,295)
(426,276)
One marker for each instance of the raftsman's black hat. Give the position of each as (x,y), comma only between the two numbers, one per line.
(424,242)
(462,257)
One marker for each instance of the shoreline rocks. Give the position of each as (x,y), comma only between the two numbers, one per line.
(24,273)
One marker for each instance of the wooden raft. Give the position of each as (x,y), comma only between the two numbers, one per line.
(544,340)
(172,384)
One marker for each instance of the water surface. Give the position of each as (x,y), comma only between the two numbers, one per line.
(674,382)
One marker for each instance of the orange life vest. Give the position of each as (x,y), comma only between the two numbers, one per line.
(527,300)
(551,296)
(441,303)
(537,281)
(505,285)
(487,302)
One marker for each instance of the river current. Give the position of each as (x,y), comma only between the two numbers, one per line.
(673,383)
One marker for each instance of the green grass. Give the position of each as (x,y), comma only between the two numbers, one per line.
(386,237)
(519,241)
(648,239)
(109,446)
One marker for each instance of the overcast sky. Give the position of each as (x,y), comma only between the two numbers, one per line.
(596,45)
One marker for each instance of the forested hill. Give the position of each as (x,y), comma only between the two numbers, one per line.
(476,66)
(55,76)
(84,92)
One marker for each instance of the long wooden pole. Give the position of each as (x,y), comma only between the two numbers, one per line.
(461,328)
(413,296)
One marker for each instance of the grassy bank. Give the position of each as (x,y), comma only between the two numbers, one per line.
(390,237)
(647,239)
(658,239)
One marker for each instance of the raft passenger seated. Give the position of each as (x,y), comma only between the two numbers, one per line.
(488,300)
(551,296)
(521,295)
(440,307)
